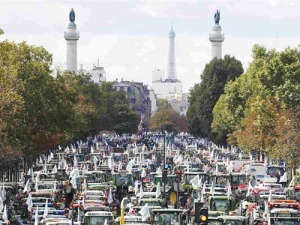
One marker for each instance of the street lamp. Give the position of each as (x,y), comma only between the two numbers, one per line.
(165,171)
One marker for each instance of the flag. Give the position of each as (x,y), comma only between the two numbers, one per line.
(78,215)
(283,178)
(227,162)
(3,193)
(217,168)
(1,203)
(212,188)
(5,216)
(49,157)
(136,187)
(74,174)
(143,174)
(36,217)
(265,215)
(54,169)
(110,197)
(158,192)
(270,196)
(292,183)
(202,193)
(158,171)
(229,192)
(73,149)
(84,185)
(187,165)
(129,166)
(120,166)
(29,202)
(229,168)
(194,182)
(212,155)
(266,161)
(73,182)
(36,187)
(251,190)
(95,160)
(141,191)
(109,162)
(145,212)
(75,162)
(46,209)
(27,186)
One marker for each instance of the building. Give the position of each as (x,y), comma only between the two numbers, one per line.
(153,100)
(158,75)
(71,36)
(216,38)
(138,96)
(98,74)
(165,89)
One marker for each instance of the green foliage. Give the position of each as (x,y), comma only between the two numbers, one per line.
(250,107)
(39,111)
(115,112)
(206,94)
(163,104)
(169,120)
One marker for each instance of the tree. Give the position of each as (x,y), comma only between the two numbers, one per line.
(252,105)
(39,111)
(169,120)
(287,140)
(11,102)
(163,104)
(206,94)
(115,111)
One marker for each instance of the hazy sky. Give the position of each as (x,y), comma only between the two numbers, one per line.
(130,37)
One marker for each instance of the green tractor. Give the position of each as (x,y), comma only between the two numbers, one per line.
(188,176)
(221,203)
(124,183)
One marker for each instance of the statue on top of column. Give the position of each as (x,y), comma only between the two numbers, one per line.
(217,17)
(72,15)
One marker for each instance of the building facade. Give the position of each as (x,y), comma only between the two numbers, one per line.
(138,96)
(97,73)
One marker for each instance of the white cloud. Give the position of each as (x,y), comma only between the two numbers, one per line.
(135,55)
(260,9)
(163,9)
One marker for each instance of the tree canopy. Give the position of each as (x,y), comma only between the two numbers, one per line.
(39,110)
(205,95)
(169,120)
(260,109)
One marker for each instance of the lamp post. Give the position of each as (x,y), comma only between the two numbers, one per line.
(164,133)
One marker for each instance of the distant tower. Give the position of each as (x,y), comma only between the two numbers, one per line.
(71,37)
(216,38)
(171,59)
